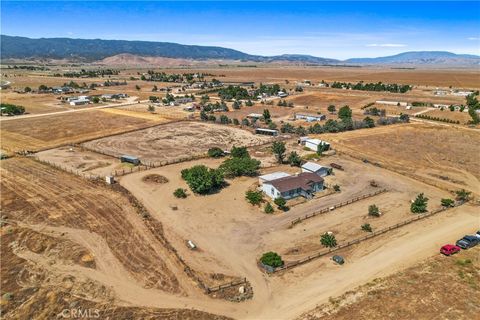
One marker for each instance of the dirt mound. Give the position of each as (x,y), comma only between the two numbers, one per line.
(154,178)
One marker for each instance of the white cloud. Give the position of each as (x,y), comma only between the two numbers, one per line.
(473,38)
(387,45)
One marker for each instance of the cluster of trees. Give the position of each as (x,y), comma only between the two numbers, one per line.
(379,86)
(473,106)
(110,83)
(173,77)
(375,112)
(11,109)
(426,116)
(421,104)
(234,92)
(28,68)
(284,103)
(88,73)
(270,90)
(204,180)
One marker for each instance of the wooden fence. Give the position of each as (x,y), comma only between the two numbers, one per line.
(69,170)
(358,240)
(335,206)
(226,285)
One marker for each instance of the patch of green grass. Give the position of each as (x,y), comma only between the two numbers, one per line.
(463,262)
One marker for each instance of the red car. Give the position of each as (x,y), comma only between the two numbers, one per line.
(449,249)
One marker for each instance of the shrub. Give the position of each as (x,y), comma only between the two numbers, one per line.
(367,227)
(280,202)
(268,208)
(215,152)
(373,211)
(294,159)
(272,259)
(463,195)
(419,205)
(328,240)
(447,202)
(254,197)
(239,152)
(180,193)
(202,179)
(336,188)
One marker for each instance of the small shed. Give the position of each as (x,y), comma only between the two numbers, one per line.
(313,144)
(130,159)
(268,132)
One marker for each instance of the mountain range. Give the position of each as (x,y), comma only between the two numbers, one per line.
(91,50)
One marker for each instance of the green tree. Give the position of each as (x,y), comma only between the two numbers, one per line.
(336,188)
(463,195)
(272,259)
(419,205)
(331,108)
(320,148)
(236,167)
(11,109)
(447,202)
(254,197)
(373,211)
(279,149)
(27,89)
(239,152)
(180,193)
(345,113)
(266,115)
(328,240)
(280,202)
(268,208)
(151,108)
(215,152)
(369,122)
(203,180)
(137,87)
(236,122)
(294,159)
(95,99)
(367,227)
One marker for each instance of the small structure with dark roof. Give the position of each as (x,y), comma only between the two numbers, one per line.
(304,184)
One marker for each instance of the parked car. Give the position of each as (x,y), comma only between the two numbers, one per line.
(468,242)
(338,259)
(449,249)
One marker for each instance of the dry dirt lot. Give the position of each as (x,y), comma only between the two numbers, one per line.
(440,155)
(463,117)
(175,140)
(45,132)
(415,293)
(34,103)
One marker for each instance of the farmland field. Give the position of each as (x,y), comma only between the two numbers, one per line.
(171,141)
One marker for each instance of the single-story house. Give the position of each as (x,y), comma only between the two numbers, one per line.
(79,102)
(316,168)
(304,184)
(310,117)
(272,176)
(312,144)
(183,100)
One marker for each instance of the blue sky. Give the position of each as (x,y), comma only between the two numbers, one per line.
(328,29)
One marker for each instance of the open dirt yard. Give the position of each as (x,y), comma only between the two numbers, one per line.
(440,155)
(34,103)
(175,140)
(415,293)
(43,132)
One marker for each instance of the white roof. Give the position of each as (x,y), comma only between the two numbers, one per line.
(312,166)
(274,176)
(316,141)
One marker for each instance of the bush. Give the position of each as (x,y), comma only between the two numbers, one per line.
(272,259)
(280,202)
(373,211)
(447,202)
(268,208)
(202,179)
(328,240)
(294,159)
(336,188)
(419,205)
(180,193)
(239,152)
(367,227)
(254,197)
(215,152)
(463,195)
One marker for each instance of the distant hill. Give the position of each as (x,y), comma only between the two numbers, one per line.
(122,51)
(421,58)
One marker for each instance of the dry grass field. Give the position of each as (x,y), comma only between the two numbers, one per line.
(175,140)
(35,103)
(415,293)
(438,154)
(48,132)
(463,117)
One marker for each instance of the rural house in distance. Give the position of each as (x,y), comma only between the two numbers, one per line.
(304,184)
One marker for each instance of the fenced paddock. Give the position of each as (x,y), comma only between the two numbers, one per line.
(324,252)
(335,206)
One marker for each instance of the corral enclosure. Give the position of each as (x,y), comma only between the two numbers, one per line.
(175,140)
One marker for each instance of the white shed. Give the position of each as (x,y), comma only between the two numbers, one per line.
(313,144)
(316,168)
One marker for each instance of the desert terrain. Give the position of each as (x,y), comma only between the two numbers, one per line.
(71,239)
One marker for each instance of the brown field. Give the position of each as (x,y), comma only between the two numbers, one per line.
(46,132)
(35,103)
(419,292)
(176,140)
(463,117)
(442,155)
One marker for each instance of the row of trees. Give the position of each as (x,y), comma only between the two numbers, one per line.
(427,117)
(379,86)
(88,73)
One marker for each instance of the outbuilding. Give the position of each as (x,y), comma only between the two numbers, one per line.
(130,159)
(313,144)
(309,117)
(267,132)
(316,168)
